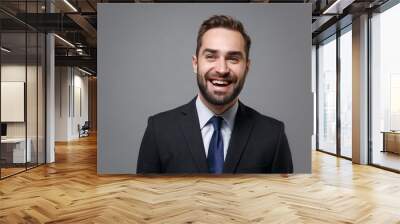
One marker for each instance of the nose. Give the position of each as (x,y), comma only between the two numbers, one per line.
(222,67)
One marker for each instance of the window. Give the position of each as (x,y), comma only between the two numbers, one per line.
(346,92)
(327,95)
(385,88)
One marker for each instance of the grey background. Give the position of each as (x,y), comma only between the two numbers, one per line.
(144,67)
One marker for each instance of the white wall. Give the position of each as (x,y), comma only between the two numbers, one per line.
(69,84)
(79,112)
(62,81)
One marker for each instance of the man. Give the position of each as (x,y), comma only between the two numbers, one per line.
(215,133)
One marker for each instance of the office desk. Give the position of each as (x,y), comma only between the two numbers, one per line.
(13,150)
(391,141)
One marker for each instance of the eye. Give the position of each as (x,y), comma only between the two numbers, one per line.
(234,59)
(210,56)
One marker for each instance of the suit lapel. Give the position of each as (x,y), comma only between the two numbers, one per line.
(239,138)
(191,130)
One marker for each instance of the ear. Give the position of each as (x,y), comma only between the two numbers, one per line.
(194,64)
(248,65)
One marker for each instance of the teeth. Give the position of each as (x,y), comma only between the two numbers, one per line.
(219,82)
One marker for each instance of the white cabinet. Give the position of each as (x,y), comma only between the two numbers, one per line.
(18,149)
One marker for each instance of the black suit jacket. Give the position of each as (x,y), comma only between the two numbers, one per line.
(173,143)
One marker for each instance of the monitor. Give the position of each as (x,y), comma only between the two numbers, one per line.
(3,129)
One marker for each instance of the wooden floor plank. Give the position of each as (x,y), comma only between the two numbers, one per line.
(70,191)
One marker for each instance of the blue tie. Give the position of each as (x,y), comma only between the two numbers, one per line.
(215,157)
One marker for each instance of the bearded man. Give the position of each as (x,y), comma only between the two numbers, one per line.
(215,132)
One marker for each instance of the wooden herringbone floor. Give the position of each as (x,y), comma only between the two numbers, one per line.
(70,191)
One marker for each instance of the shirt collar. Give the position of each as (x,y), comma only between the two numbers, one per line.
(205,114)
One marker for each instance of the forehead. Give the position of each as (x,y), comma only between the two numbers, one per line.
(223,40)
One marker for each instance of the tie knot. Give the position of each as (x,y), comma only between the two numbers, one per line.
(216,122)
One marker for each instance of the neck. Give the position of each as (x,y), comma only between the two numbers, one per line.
(217,109)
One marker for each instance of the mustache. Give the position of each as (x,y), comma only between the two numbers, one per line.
(224,77)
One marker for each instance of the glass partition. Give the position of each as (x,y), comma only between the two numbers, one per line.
(31,100)
(327,95)
(22,77)
(13,91)
(41,87)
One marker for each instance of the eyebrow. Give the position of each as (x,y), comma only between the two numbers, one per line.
(209,51)
(235,53)
(230,53)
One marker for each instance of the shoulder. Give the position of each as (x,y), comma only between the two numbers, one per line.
(172,115)
(262,120)
(168,115)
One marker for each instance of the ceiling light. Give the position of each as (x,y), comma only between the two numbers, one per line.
(329,9)
(5,49)
(65,41)
(86,72)
(70,5)
(338,6)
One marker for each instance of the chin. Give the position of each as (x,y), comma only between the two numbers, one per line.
(221,101)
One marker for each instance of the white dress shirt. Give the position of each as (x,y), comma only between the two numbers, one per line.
(207,129)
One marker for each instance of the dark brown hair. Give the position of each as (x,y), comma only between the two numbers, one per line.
(223,21)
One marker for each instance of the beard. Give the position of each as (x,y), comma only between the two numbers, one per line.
(215,98)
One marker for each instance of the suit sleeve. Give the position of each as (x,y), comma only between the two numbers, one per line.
(283,158)
(149,160)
